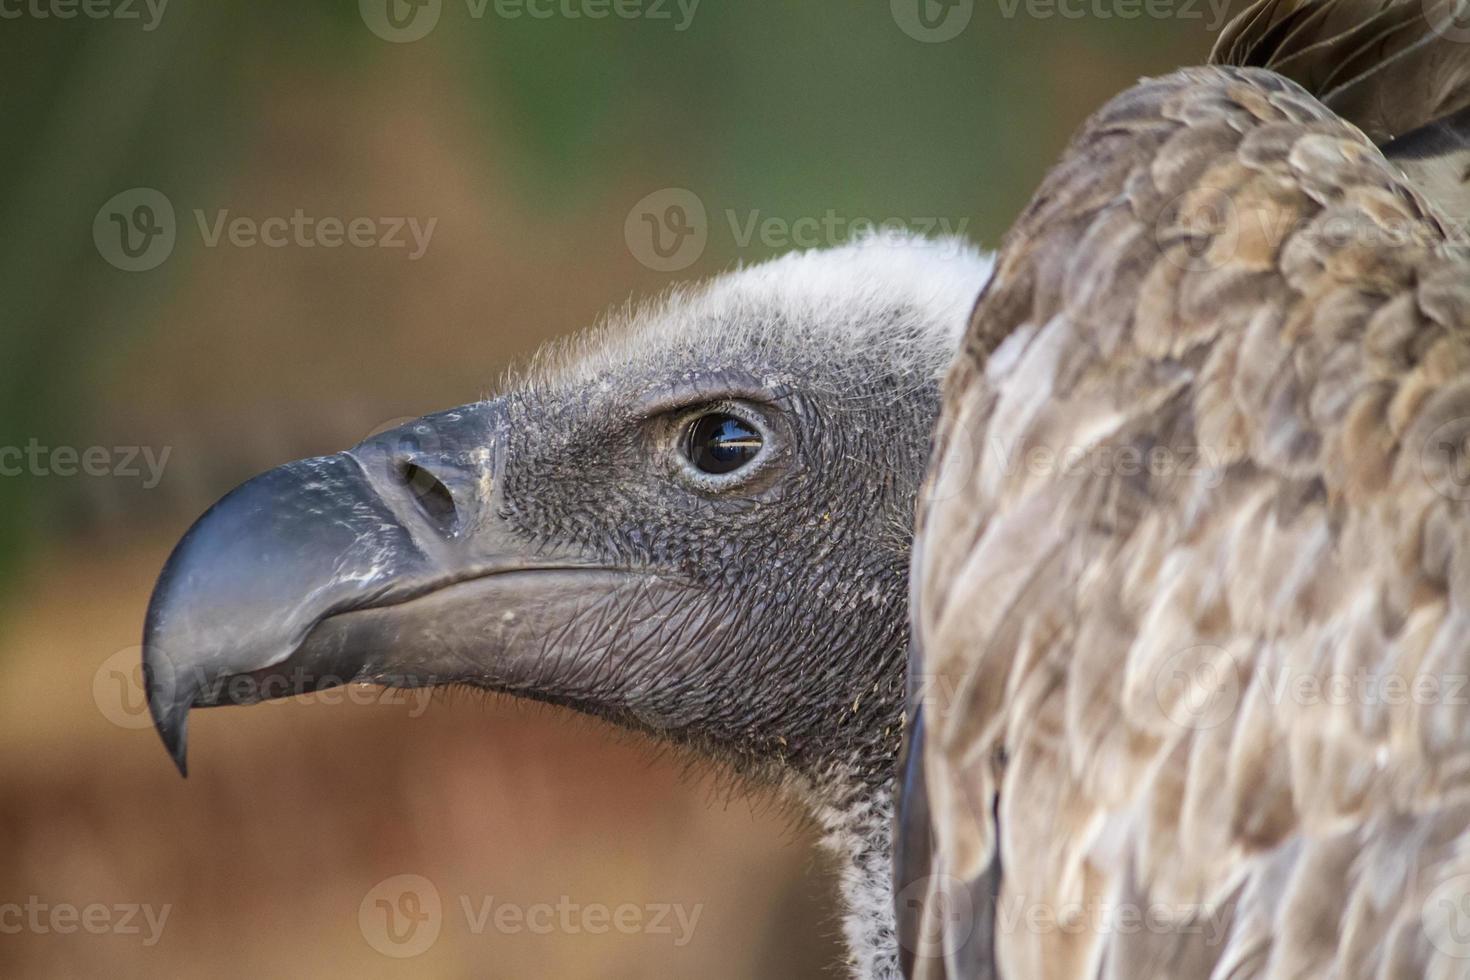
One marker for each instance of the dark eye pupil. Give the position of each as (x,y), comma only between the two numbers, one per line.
(720,443)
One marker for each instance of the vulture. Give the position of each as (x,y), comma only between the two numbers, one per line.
(1038,578)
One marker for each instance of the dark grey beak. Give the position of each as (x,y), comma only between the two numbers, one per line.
(369,565)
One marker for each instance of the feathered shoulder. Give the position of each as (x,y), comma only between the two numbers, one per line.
(1193,571)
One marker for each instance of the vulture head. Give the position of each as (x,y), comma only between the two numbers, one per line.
(694,521)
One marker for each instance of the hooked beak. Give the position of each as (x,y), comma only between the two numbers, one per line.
(385,563)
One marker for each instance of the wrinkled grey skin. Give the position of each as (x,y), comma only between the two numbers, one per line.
(556,544)
(772,630)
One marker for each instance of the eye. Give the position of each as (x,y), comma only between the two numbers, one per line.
(720,443)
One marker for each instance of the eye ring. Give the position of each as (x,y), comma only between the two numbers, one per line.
(720,445)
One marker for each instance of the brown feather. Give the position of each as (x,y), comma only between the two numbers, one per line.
(1397,69)
(1202,530)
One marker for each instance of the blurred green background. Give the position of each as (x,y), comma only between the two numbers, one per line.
(529,142)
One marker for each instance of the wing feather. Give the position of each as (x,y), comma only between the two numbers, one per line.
(1397,69)
(1192,583)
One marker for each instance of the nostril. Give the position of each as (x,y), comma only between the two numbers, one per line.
(433,497)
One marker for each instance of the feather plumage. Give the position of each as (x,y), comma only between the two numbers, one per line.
(1397,69)
(1192,584)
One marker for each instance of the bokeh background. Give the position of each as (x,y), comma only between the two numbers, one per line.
(533,144)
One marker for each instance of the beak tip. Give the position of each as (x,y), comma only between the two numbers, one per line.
(175,734)
(177,744)
(170,714)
